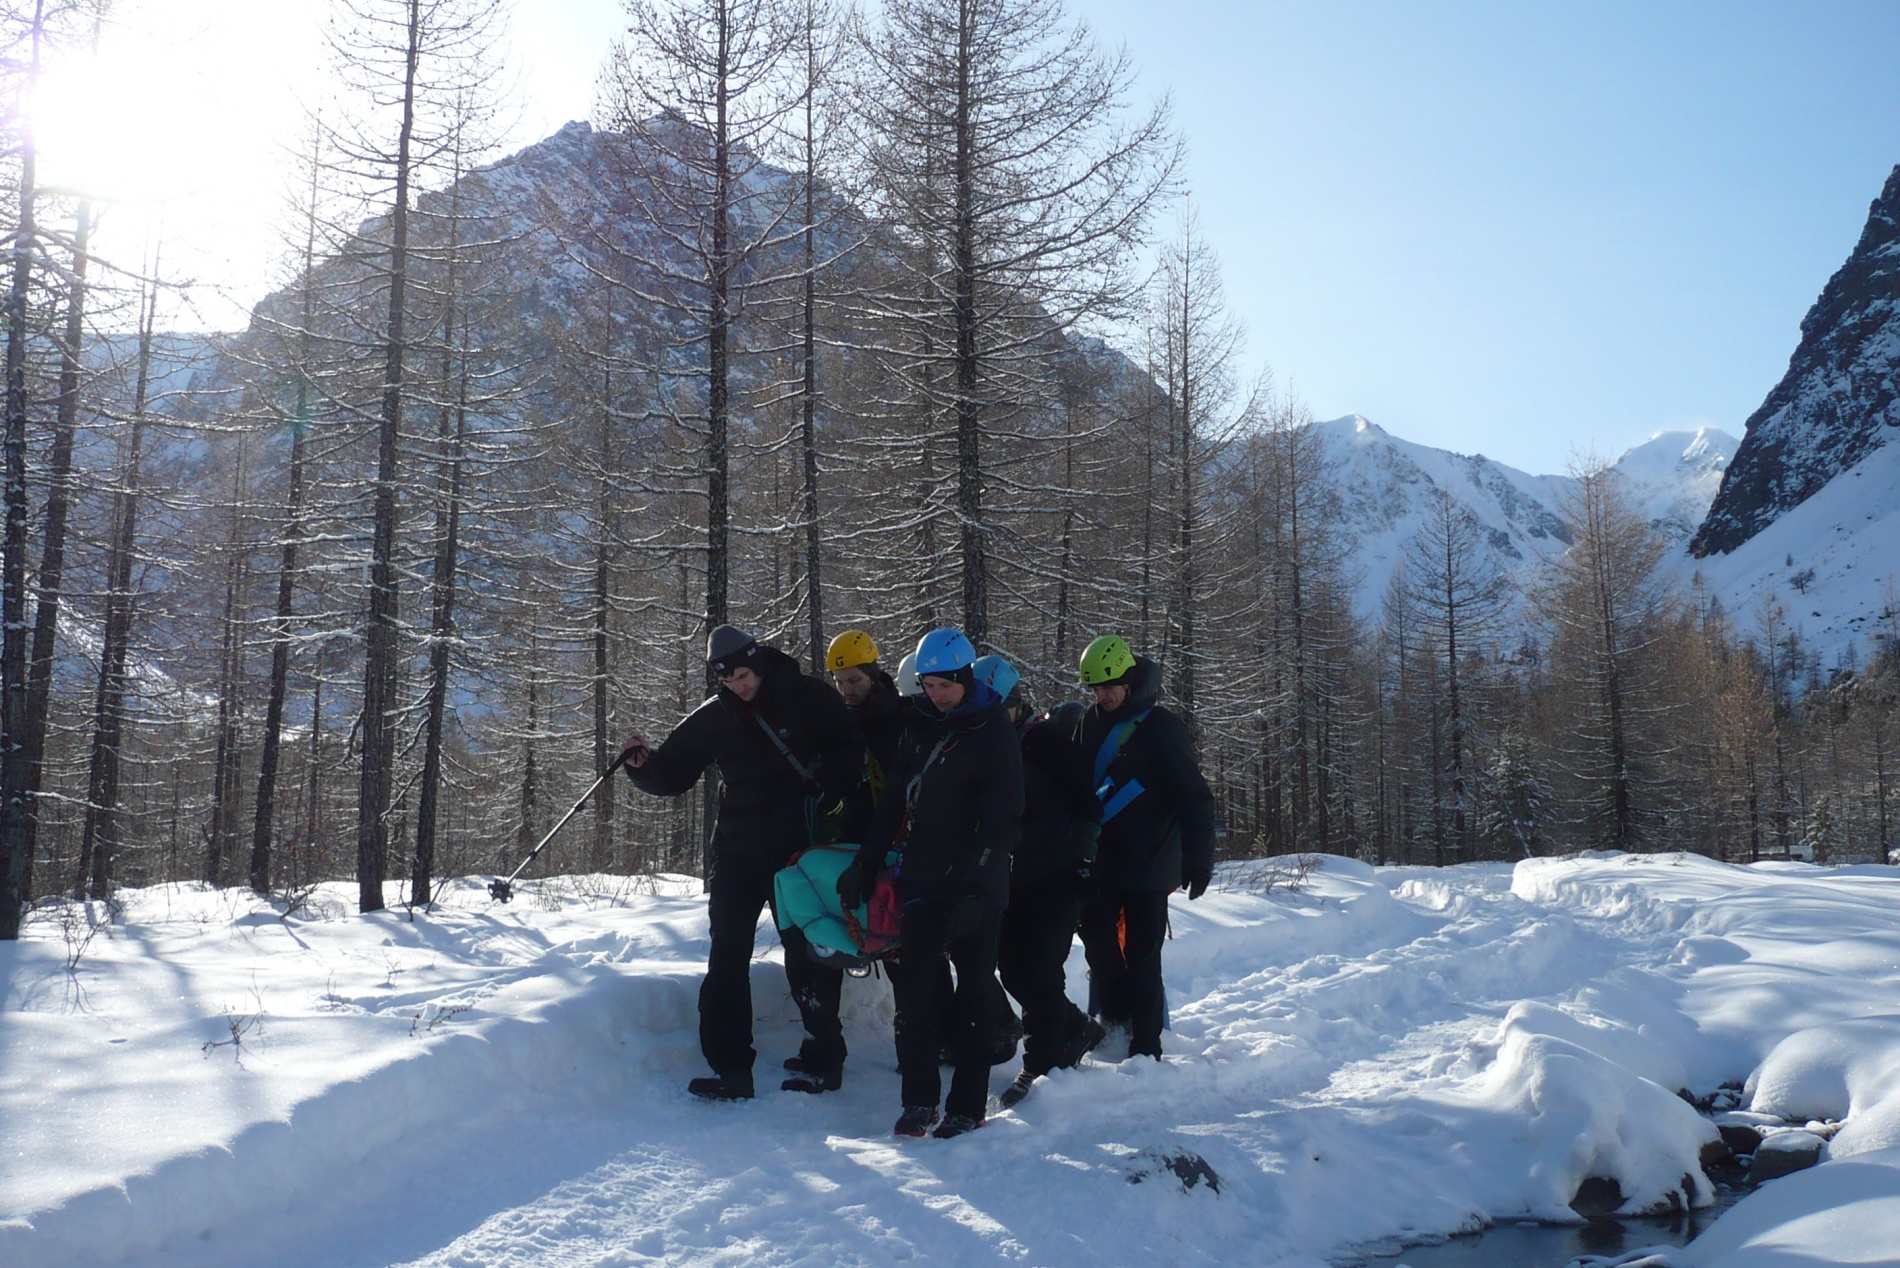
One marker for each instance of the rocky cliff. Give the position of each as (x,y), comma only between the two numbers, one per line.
(1839,400)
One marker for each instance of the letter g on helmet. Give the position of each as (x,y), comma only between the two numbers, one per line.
(944,651)
(853,647)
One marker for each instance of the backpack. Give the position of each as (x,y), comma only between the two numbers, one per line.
(805,898)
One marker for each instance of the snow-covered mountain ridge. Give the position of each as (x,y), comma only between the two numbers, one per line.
(1384,486)
(566,211)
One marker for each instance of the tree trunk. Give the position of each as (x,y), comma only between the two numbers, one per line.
(808,402)
(15,856)
(99,836)
(442,618)
(382,636)
(718,325)
(264,822)
(229,762)
(53,548)
(607,516)
(976,618)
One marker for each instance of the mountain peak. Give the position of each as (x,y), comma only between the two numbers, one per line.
(1837,402)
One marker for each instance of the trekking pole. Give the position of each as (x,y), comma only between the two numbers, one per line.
(503,889)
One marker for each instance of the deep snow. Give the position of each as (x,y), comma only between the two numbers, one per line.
(1381,1057)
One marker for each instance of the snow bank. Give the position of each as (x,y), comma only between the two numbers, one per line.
(1838,1213)
(1583,1114)
(1832,1072)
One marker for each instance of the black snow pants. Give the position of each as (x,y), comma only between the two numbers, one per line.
(736,898)
(969,932)
(1038,930)
(1127,977)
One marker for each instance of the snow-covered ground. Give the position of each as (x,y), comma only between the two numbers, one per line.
(1379,1058)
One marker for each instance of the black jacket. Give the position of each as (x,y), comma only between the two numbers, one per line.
(761,817)
(1061,814)
(1165,836)
(882,719)
(957,838)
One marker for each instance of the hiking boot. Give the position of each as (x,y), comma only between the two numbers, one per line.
(723,1087)
(916,1120)
(1018,1089)
(814,1081)
(956,1125)
(796,1064)
(1092,1036)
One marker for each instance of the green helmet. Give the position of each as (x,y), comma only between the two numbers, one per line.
(1106,660)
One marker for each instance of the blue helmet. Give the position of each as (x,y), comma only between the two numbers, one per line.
(944,652)
(998,673)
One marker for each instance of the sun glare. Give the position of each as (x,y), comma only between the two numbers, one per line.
(116,128)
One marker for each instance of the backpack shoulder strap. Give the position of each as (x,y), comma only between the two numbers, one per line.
(1112,744)
(804,771)
(917,781)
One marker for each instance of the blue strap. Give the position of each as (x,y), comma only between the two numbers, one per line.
(1115,800)
(1117,736)
(1114,805)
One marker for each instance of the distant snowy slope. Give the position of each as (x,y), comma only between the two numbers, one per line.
(1833,562)
(1384,486)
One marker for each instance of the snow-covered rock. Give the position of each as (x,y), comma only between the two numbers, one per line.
(1784,1153)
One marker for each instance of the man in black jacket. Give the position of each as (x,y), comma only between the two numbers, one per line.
(787,752)
(1157,835)
(951,810)
(881,714)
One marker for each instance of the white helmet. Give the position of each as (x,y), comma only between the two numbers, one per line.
(907,684)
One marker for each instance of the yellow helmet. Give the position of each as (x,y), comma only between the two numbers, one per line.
(853,647)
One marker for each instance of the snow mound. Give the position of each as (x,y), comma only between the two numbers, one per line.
(1832,1072)
(1583,1114)
(1837,1213)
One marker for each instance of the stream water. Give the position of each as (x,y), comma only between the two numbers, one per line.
(1533,1245)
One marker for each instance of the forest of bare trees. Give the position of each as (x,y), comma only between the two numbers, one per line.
(884,318)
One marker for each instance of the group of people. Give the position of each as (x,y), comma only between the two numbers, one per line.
(1002,831)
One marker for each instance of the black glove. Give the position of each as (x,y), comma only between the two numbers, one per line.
(1082,841)
(851,886)
(1197,884)
(1087,837)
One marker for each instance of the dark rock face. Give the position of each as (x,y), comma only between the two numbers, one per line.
(1839,400)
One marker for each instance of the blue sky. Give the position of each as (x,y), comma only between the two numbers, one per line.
(1517,229)
(1526,229)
